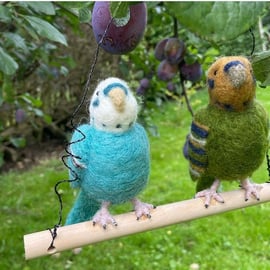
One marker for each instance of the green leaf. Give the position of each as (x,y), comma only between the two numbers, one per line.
(64,70)
(84,15)
(45,29)
(34,102)
(18,142)
(216,21)
(261,67)
(7,64)
(38,112)
(151,4)
(39,7)
(47,118)
(8,89)
(120,12)
(5,15)
(1,97)
(75,5)
(16,40)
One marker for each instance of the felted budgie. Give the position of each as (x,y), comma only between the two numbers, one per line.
(112,161)
(228,139)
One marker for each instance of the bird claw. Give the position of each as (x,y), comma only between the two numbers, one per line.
(251,189)
(142,209)
(103,218)
(209,194)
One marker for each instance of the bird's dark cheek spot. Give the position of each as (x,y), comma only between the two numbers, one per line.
(211,83)
(95,102)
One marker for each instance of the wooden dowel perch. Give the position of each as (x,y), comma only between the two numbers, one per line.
(81,234)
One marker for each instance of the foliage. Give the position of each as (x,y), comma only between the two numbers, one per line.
(34,38)
(29,46)
(261,67)
(31,33)
(204,42)
(217,21)
(234,240)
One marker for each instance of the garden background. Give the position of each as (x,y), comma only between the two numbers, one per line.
(43,69)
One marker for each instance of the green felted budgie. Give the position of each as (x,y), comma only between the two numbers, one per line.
(229,137)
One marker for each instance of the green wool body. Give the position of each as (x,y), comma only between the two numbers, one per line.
(228,139)
(236,144)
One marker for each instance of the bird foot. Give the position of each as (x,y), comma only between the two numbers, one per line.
(142,209)
(209,194)
(251,189)
(103,217)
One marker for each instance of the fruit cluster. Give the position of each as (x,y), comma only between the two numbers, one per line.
(171,52)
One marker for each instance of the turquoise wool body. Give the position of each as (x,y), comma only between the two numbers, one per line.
(115,168)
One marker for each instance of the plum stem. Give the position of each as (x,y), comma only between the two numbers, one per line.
(175,27)
(184,93)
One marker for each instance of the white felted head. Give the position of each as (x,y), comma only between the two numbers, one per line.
(113,107)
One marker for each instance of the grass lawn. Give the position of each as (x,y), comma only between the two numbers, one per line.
(234,240)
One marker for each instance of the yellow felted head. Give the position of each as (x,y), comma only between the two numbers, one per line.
(231,83)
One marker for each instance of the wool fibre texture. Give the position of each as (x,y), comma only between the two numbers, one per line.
(236,144)
(117,168)
(236,98)
(83,209)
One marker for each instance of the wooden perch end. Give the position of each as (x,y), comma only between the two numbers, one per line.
(81,234)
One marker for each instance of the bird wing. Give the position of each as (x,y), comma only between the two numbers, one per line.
(197,153)
(79,153)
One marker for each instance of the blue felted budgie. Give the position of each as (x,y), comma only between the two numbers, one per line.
(229,137)
(112,161)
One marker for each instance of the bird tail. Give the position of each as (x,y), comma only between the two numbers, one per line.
(83,209)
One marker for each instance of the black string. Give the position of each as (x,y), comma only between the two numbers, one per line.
(53,231)
(253,41)
(268,166)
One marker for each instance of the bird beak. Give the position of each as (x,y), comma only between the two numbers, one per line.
(238,75)
(118,97)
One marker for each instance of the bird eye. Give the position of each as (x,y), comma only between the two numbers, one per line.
(97,93)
